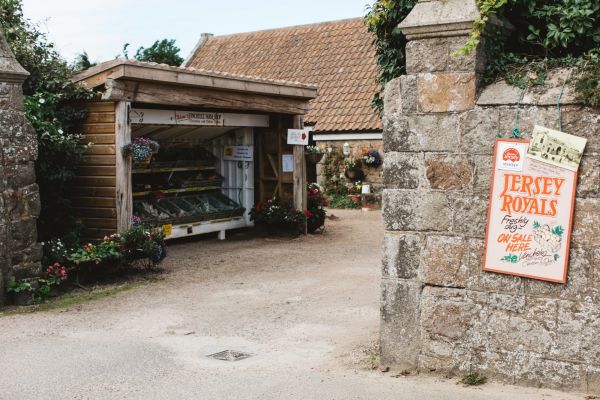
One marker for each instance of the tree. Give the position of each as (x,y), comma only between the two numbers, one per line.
(82,62)
(382,20)
(162,51)
(50,105)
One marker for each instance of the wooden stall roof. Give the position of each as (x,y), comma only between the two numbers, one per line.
(143,82)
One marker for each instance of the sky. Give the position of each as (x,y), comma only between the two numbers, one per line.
(101,27)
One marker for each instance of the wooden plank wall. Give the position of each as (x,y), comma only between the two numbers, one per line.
(94,192)
(272,144)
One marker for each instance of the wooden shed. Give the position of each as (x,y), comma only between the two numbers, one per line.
(223,144)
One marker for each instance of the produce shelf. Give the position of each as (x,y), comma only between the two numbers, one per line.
(171,169)
(174,191)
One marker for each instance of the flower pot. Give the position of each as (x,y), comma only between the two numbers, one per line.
(312,225)
(277,230)
(313,158)
(142,163)
(355,174)
(23,298)
(356,198)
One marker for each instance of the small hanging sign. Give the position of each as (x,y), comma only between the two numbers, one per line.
(238,153)
(298,137)
(530,213)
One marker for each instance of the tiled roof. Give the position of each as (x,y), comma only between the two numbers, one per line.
(338,56)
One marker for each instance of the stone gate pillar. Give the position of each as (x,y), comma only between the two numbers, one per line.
(425,179)
(20,253)
(439,311)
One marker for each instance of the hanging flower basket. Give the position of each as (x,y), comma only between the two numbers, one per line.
(372,158)
(140,150)
(313,158)
(354,174)
(313,154)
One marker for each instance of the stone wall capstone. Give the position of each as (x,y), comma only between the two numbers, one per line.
(20,253)
(440,312)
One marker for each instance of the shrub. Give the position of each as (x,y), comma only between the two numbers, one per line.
(277,213)
(53,105)
(315,212)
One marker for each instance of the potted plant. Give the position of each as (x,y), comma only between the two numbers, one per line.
(141,150)
(355,190)
(315,213)
(352,168)
(21,289)
(313,154)
(277,217)
(371,158)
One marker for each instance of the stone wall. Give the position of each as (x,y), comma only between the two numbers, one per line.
(439,312)
(19,197)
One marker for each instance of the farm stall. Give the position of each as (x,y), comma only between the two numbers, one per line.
(222,144)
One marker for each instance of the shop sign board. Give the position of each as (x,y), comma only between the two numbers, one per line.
(238,153)
(530,214)
(298,137)
(143,116)
(199,118)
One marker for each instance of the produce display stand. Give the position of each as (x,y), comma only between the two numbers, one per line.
(208,172)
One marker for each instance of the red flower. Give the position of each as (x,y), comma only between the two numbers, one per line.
(308,214)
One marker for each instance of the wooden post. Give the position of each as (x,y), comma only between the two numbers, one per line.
(300,200)
(124,201)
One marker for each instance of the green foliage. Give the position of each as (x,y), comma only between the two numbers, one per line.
(548,34)
(142,242)
(486,9)
(51,100)
(82,62)
(473,379)
(382,20)
(135,243)
(106,251)
(588,83)
(342,201)
(162,51)
(14,285)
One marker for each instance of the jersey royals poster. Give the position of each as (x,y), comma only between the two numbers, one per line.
(530,215)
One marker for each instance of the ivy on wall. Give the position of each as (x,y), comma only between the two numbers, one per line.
(382,20)
(547,34)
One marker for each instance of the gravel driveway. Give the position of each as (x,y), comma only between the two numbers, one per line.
(307,310)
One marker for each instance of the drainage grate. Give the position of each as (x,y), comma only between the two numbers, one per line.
(230,355)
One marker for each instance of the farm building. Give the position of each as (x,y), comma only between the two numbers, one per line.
(222,140)
(338,56)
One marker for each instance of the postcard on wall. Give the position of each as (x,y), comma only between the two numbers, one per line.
(530,215)
(556,148)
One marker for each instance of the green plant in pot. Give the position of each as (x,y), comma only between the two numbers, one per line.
(353,169)
(22,290)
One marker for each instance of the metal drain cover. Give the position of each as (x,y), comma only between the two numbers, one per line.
(230,355)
